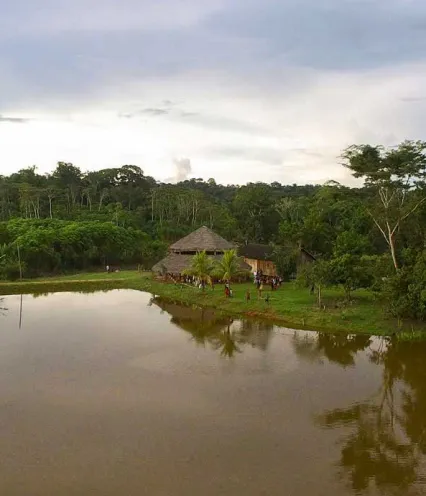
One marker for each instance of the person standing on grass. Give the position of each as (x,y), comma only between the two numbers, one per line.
(260,289)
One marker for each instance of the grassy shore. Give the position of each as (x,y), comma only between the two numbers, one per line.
(289,305)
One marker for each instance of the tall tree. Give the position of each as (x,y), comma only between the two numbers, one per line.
(397,178)
(254,208)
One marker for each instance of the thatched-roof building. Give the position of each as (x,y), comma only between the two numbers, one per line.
(181,253)
(260,258)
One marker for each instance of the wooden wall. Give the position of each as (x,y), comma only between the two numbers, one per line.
(266,266)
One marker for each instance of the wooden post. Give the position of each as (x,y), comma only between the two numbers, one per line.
(19,261)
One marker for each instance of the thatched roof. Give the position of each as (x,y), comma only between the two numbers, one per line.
(200,240)
(256,251)
(175,263)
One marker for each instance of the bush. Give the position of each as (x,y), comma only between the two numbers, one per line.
(51,245)
(9,271)
(405,291)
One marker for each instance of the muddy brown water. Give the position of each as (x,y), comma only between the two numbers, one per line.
(117,393)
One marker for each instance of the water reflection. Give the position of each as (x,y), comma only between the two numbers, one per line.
(337,348)
(221,333)
(3,309)
(102,384)
(384,439)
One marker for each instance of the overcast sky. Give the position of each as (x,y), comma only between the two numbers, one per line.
(238,90)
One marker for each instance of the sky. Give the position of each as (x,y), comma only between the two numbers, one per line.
(237,90)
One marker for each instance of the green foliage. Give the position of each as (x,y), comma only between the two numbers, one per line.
(405,291)
(349,271)
(396,177)
(10,270)
(9,265)
(316,275)
(202,267)
(285,259)
(70,220)
(55,245)
(254,209)
(228,268)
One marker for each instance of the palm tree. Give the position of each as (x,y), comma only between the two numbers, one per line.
(201,267)
(229,267)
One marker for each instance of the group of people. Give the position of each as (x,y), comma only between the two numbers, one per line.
(186,279)
(110,269)
(260,280)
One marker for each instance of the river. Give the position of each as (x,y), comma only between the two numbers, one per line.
(118,393)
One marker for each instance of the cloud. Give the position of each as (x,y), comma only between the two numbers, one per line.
(155,112)
(249,89)
(15,120)
(331,34)
(261,155)
(50,17)
(200,119)
(413,99)
(223,122)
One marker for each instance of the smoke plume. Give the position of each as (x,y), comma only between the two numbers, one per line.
(183,169)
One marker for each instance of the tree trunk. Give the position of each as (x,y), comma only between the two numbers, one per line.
(319,296)
(392,249)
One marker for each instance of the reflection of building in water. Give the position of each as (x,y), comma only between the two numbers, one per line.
(221,332)
(257,333)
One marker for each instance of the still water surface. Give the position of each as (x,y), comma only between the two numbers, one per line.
(120,394)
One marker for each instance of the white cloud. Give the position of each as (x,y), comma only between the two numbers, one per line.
(300,133)
(105,83)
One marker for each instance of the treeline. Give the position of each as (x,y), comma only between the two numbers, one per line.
(372,236)
(128,198)
(45,246)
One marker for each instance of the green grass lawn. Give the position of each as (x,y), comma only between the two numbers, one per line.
(92,276)
(289,305)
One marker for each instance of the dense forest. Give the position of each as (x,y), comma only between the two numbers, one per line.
(373,236)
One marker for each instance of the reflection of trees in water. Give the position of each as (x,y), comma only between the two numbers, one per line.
(226,342)
(220,333)
(375,449)
(3,309)
(386,442)
(257,333)
(337,348)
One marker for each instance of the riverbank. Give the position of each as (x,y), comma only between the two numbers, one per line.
(290,306)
